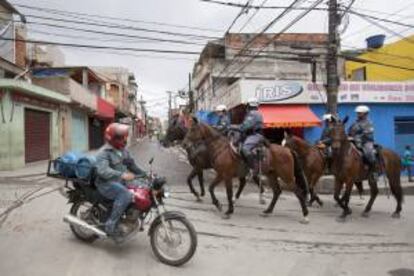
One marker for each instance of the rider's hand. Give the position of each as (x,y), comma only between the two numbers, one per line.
(127,176)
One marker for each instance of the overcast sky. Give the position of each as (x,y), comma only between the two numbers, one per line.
(158,73)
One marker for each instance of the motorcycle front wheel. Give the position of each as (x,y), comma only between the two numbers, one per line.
(175,242)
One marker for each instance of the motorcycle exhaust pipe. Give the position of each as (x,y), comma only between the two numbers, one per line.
(78,222)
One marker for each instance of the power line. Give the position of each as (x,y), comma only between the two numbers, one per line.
(53,25)
(238,5)
(251,17)
(89,15)
(386,29)
(351,11)
(380,53)
(361,60)
(121,27)
(243,10)
(165,51)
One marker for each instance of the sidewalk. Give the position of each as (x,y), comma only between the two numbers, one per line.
(39,168)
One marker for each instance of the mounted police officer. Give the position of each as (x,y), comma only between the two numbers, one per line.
(326,141)
(115,166)
(362,132)
(252,128)
(223,122)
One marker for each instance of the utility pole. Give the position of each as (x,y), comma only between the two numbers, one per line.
(169,106)
(332,77)
(190,95)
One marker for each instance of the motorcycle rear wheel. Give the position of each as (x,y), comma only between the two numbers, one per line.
(79,232)
(185,226)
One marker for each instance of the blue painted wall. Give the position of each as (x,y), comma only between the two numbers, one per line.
(382,115)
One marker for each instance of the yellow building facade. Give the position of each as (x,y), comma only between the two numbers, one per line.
(399,53)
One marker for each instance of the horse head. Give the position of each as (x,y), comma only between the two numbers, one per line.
(338,133)
(176,130)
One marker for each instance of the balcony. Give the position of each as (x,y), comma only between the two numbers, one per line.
(66,86)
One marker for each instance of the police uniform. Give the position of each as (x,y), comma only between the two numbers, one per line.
(362,131)
(223,124)
(252,127)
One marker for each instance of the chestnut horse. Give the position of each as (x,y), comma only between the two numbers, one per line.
(314,163)
(199,158)
(279,162)
(348,167)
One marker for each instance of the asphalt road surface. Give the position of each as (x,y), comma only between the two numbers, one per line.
(35,241)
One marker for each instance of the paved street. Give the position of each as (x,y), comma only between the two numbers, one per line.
(35,241)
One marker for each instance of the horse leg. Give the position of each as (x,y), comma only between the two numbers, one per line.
(301,195)
(190,183)
(396,190)
(211,188)
(200,177)
(259,184)
(374,192)
(337,193)
(276,193)
(345,201)
(360,188)
(242,183)
(229,191)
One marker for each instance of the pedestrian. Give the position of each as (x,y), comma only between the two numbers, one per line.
(407,162)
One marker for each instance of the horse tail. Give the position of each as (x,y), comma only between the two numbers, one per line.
(392,166)
(301,180)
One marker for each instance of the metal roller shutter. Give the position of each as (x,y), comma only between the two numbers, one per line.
(37,135)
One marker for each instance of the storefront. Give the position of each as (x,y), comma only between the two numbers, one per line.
(97,124)
(300,106)
(29,123)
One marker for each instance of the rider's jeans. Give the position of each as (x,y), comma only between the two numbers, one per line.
(122,198)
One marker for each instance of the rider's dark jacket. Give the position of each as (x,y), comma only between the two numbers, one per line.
(112,163)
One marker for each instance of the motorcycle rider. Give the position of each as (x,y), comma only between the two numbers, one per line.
(251,129)
(362,131)
(114,166)
(223,122)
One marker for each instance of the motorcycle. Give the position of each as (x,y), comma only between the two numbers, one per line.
(173,238)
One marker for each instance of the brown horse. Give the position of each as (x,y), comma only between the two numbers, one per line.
(279,162)
(199,157)
(348,167)
(314,163)
(311,158)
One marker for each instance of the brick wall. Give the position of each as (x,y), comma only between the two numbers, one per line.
(20,51)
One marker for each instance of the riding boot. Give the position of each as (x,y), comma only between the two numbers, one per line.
(251,162)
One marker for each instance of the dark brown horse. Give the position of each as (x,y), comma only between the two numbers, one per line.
(311,158)
(348,167)
(279,162)
(199,157)
(313,161)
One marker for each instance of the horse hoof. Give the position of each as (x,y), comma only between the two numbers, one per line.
(365,215)
(262,201)
(219,208)
(202,194)
(199,199)
(304,220)
(396,215)
(226,216)
(265,213)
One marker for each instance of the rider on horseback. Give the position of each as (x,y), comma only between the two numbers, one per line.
(223,122)
(362,132)
(252,128)
(326,140)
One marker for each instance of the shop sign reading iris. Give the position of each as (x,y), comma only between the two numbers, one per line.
(278,91)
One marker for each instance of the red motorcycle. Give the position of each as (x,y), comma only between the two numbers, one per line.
(173,238)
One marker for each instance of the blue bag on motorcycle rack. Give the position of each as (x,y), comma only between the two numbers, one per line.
(85,166)
(65,165)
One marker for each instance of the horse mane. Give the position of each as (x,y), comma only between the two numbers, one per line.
(208,131)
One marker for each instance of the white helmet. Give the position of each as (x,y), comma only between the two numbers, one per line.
(253,102)
(362,109)
(221,107)
(327,117)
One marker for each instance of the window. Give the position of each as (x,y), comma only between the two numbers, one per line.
(359,74)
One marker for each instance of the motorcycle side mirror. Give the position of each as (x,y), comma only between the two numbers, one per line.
(151,161)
